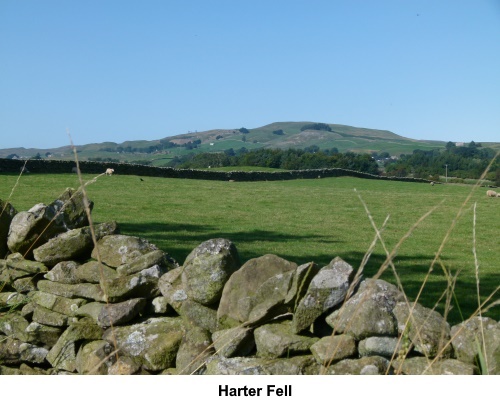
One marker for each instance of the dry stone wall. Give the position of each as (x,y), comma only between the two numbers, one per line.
(83,302)
(63,166)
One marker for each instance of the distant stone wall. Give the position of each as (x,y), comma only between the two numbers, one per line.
(61,166)
(116,304)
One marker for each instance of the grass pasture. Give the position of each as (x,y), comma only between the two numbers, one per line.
(306,220)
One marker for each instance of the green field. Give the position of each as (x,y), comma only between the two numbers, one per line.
(302,221)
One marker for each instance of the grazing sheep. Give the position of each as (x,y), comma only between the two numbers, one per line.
(109,172)
(432,183)
(491,193)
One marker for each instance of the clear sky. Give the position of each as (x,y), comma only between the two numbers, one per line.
(129,70)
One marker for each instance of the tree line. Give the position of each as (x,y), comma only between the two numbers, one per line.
(468,161)
(289,159)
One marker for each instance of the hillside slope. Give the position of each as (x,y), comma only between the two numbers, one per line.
(281,135)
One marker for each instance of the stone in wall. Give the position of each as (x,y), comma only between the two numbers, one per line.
(7,212)
(31,229)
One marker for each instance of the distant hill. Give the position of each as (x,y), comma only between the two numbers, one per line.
(281,135)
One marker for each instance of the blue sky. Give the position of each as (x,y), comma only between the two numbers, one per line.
(129,70)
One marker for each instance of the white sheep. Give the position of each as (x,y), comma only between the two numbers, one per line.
(109,172)
(491,193)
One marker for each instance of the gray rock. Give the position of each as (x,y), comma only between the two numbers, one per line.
(28,370)
(83,290)
(90,310)
(12,299)
(327,289)
(71,245)
(64,272)
(156,257)
(14,325)
(218,365)
(43,335)
(172,288)
(207,268)
(160,305)
(237,302)
(383,346)
(124,365)
(426,329)
(116,250)
(295,365)
(95,358)
(153,343)
(25,285)
(268,301)
(142,284)
(33,228)
(70,206)
(277,340)
(10,349)
(369,311)
(94,272)
(423,366)
(66,306)
(50,318)
(332,349)
(121,313)
(63,353)
(373,365)
(302,277)
(7,212)
(32,354)
(199,315)
(4,370)
(233,342)
(478,334)
(196,347)
(16,261)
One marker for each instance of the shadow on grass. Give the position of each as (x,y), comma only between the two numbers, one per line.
(180,239)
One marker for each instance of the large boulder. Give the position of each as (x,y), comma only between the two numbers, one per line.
(153,258)
(207,268)
(116,250)
(196,346)
(66,306)
(83,290)
(277,340)
(233,342)
(238,301)
(72,206)
(16,267)
(328,288)
(426,329)
(137,285)
(369,311)
(75,244)
(72,245)
(95,358)
(31,229)
(121,313)
(331,349)
(153,343)
(478,336)
(172,288)
(63,354)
